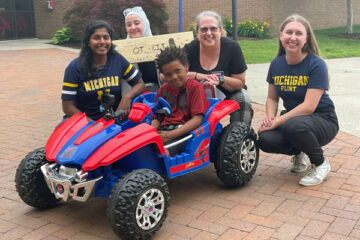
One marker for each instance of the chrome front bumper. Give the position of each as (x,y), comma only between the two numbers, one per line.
(64,186)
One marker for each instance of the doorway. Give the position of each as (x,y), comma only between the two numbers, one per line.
(16,19)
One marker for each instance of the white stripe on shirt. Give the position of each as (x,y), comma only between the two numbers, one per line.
(132,75)
(69,92)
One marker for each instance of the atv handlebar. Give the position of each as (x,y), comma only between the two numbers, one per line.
(161,106)
(107,102)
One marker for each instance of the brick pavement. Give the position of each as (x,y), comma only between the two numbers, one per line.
(271,206)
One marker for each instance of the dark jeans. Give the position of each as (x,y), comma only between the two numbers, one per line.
(305,133)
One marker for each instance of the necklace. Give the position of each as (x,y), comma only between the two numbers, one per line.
(210,61)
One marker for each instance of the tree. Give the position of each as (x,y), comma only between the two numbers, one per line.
(349,25)
(111,11)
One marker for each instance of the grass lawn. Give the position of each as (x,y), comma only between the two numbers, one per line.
(262,51)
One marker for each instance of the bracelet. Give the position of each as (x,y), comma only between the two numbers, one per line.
(195,76)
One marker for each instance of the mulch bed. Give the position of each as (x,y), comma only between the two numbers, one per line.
(75,45)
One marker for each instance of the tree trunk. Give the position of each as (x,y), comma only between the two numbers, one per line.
(349,25)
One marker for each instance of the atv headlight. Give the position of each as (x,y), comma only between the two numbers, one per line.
(80,176)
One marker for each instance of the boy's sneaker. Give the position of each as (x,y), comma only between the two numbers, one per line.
(299,163)
(315,175)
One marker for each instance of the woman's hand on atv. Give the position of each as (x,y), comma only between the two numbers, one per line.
(208,79)
(125,104)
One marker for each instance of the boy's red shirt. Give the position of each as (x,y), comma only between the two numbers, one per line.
(185,103)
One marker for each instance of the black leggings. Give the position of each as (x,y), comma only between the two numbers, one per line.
(305,133)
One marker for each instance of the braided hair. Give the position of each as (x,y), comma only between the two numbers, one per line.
(170,54)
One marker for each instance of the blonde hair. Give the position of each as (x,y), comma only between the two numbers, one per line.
(311,44)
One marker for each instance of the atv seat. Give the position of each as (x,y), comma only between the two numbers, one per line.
(212,102)
(149,99)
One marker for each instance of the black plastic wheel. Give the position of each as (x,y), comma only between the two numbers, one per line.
(138,204)
(30,182)
(237,154)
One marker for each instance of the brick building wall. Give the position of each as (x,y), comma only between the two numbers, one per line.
(47,22)
(320,13)
(246,9)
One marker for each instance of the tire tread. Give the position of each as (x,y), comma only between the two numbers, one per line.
(123,199)
(30,183)
(227,166)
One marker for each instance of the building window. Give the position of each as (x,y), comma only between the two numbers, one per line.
(16,19)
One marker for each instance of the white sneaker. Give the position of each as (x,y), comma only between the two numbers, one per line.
(315,175)
(299,163)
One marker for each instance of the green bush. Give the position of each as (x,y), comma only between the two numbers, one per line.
(250,28)
(247,29)
(191,27)
(63,36)
(85,11)
(228,26)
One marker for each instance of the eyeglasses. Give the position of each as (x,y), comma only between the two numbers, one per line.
(206,29)
(134,9)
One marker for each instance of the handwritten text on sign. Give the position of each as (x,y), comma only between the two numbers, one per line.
(144,49)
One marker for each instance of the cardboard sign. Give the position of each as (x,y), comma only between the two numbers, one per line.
(144,49)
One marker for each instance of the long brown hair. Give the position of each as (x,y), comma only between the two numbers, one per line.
(311,44)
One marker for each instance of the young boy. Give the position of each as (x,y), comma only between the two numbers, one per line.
(185,95)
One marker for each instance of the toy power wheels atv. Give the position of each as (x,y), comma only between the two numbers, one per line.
(124,161)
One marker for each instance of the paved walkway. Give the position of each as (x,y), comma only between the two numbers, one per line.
(271,206)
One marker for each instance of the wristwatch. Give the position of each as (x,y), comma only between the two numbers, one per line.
(221,79)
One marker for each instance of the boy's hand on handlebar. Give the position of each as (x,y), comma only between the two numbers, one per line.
(165,136)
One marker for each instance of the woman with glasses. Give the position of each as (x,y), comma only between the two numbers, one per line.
(218,61)
(137,25)
(98,69)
